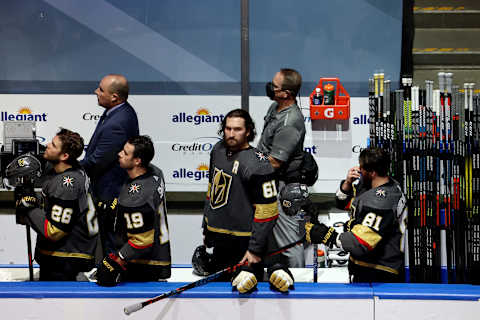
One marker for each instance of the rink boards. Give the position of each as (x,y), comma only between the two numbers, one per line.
(85,300)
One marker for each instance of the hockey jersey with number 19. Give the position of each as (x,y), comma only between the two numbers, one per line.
(141,224)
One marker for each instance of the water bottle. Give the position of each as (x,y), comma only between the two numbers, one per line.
(328,94)
(321,258)
(317,97)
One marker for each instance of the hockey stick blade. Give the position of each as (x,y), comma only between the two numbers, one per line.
(137,306)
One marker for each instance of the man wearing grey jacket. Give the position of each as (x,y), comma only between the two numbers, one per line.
(282,140)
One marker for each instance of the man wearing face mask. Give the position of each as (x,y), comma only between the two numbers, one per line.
(282,140)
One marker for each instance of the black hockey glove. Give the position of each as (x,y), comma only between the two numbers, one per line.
(106,211)
(320,233)
(25,201)
(109,271)
(280,277)
(311,213)
(107,206)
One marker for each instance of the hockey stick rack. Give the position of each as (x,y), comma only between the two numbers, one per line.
(433,137)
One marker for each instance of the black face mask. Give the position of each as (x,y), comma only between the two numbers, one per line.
(269,90)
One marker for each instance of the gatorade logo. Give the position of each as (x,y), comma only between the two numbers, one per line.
(328,113)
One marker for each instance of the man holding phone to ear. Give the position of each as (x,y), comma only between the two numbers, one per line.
(374,235)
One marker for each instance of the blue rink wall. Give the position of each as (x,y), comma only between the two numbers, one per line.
(217,301)
(188,47)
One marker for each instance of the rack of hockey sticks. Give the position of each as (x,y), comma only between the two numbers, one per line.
(433,138)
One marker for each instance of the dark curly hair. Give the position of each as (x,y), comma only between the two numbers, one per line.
(249,124)
(72,144)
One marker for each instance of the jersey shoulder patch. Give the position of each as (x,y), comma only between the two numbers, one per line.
(261,156)
(381,193)
(67,181)
(383,197)
(134,188)
(66,185)
(138,192)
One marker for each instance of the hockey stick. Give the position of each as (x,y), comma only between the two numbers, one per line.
(20,220)
(315,263)
(29,251)
(137,306)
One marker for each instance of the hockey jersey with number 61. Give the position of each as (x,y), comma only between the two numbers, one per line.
(242,195)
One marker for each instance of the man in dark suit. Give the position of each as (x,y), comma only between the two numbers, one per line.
(117,124)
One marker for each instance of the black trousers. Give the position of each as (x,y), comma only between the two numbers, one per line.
(62,269)
(363,274)
(228,252)
(106,222)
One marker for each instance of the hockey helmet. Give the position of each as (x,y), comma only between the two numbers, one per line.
(202,261)
(22,169)
(293,197)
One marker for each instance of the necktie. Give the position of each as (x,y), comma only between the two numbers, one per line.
(102,119)
(97,128)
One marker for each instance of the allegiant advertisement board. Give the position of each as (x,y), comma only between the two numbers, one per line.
(185,128)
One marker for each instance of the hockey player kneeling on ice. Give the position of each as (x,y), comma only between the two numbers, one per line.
(141,229)
(241,208)
(66,226)
(374,234)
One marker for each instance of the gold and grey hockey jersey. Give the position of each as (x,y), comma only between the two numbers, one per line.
(242,195)
(375,232)
(67,225)
(141,224)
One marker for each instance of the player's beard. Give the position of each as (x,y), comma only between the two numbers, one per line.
(231,142)
(52,159)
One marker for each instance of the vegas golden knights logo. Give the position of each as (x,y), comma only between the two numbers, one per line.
(220,189)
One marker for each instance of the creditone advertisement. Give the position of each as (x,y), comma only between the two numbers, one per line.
(185,128)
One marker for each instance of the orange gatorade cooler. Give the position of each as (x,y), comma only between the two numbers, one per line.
(336,101)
